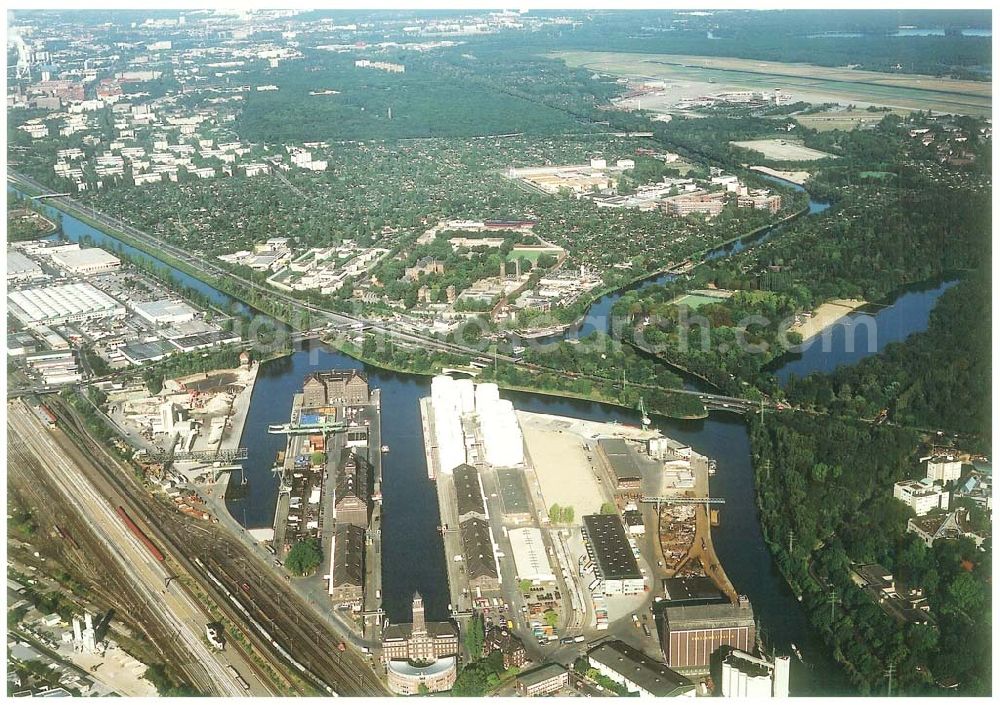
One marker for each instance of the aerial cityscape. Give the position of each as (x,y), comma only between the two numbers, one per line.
(499,352)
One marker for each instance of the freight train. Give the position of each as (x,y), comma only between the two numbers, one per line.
(139,533)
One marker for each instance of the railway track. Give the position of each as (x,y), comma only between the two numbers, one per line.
(108,587)
(288,634)
(173,613)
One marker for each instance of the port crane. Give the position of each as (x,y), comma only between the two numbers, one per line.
(682,500)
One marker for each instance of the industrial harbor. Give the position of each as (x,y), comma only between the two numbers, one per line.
(675,404)
(576,533)
(330,493)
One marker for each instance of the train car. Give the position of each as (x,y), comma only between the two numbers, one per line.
(66,536)
(45,415)
(139,533)
(239,679)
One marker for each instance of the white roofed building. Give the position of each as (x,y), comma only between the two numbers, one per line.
(164,312)
(530,558)
(91,260)
(62,303)
(21,268)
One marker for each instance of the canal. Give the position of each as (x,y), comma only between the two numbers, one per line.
(598,315)
(413,556)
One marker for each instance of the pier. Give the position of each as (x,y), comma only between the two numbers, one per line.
(311,468)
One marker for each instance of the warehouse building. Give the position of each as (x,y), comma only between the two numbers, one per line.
(164,312)
(470,493)
(62,303)
(55,366)
(335,387)
(21,268)
(147,351)
(85,262)
(21,344)
(353,491)
(542,681)
(609,550)
(621,461)
(514,494)
(531,561)
(477,547)
(348,573)
(201,341)
(637,672)
(692,590)
(692,633)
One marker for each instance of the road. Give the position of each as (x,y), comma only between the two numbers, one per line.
(27,436)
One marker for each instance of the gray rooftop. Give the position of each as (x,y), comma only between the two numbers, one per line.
(539,675)
(621,457)
(647,673)
(723,614)
(470,496)
(349,555)
(478,549)
(606,536)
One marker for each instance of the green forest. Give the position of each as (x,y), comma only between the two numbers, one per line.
(824,488)
(375,104)
(873,241)
(939,378)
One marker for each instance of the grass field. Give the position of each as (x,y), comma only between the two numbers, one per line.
(532,253)
(783,150)
(691,76)
(840,120)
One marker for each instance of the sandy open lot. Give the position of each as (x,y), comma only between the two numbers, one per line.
(784,150)
(796,177)
(561,465)
(826,315)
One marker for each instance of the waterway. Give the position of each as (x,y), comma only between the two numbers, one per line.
(413,556)
(907,32)
(864,332)
(598,316)
(76,230)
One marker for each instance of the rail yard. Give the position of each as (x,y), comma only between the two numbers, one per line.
(275,622)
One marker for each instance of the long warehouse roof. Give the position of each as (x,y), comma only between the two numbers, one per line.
(530,558)
(50,302)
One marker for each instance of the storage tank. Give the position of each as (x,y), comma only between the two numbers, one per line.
(466,395)
(501,433)
(486,393)
(446,403)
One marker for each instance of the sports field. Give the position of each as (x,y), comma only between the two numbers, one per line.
(692,76)
(783,150)
(694,301)
(532,253)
